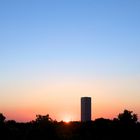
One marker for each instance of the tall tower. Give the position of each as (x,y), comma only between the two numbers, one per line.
(85,109)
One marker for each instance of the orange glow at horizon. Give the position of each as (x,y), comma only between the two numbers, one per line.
(62,100)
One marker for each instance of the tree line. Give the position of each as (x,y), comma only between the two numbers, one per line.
(124,127)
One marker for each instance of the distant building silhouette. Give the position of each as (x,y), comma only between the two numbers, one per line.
(85,109)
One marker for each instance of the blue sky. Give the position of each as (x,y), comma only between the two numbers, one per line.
(48,39)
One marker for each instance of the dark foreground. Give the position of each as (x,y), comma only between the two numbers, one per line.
(125,127)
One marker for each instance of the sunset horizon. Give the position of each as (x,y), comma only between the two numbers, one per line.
(65,117)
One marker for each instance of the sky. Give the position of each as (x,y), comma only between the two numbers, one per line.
(53,52)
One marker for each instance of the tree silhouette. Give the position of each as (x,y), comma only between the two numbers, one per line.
(2,118)
(43,119)
(128,117)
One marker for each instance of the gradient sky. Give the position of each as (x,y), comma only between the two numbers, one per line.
(52,52)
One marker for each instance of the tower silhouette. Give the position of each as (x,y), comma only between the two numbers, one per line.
(85,109)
